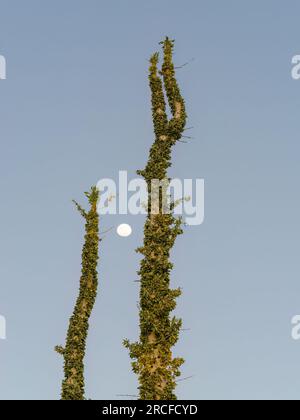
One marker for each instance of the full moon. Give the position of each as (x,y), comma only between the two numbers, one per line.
(124,230)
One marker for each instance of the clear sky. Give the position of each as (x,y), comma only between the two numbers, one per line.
(75,108)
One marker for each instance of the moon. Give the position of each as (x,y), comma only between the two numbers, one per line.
(124,230)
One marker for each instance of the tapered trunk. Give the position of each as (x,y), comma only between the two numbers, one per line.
(73,386)
(153,360)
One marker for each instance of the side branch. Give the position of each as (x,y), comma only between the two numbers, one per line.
(176,102)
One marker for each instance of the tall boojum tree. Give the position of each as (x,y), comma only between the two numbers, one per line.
(73,386)
(154,363)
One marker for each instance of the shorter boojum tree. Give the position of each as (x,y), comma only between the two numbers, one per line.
(73,387)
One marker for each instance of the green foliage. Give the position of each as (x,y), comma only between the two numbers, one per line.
(74,350)
(159,332)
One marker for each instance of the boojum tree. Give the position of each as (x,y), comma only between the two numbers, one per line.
(73,387)
(152,356)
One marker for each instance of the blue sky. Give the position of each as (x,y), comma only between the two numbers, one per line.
(76,108)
